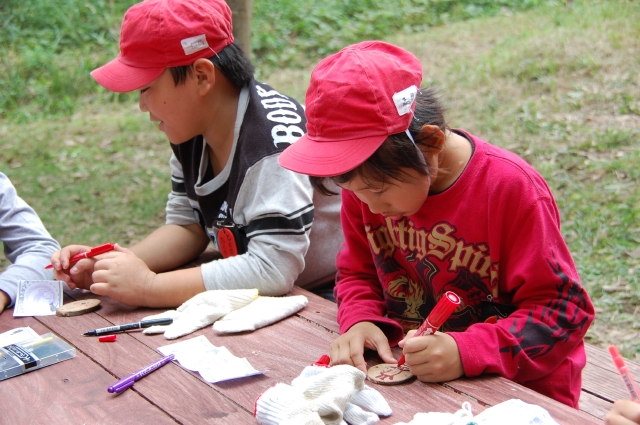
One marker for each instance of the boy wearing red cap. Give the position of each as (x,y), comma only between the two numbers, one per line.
(428,209)
(226,132)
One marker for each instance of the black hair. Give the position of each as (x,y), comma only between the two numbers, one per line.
(397,154)
(231,61)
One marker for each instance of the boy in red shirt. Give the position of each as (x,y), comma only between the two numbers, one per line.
(428,209)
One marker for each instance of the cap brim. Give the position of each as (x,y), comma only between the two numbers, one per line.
(328,158)
(119,77)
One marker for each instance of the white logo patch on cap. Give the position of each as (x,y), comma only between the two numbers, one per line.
(194,44)
(404,99)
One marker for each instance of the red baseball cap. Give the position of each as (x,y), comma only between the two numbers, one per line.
(157,34)
(356,99)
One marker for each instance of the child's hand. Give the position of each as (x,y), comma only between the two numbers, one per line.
(121,275)
(349,347)
(4,301)
(79,275)
(624,412)
(432,358)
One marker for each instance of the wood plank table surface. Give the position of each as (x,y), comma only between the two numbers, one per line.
(75,391)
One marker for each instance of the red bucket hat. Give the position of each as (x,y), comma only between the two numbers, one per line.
(157,34)
(356,99)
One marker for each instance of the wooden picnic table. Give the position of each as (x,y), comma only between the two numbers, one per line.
(75,391)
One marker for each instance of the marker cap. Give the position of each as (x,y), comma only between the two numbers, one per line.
(120,388)
(444,308)
(324,360)
(616,356)
(107,338)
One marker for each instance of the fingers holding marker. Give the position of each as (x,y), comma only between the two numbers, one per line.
(60,258)
(71,254)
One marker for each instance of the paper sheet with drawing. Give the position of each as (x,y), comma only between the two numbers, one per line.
(213,363)
(38,298)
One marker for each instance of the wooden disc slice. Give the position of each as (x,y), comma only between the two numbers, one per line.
(77,308)
(389,374)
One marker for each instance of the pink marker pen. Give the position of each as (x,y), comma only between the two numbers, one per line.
(624,373)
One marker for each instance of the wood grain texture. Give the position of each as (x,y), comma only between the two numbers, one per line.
(75,390)
(601,358)
(283,350)
(70,392)
(601,379)
(600,382)
(319,310)
(491,390)
(76,308)
(605,384)
(594,405)
(197,402)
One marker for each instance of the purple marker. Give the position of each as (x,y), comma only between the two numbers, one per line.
(128,381)
(120,389)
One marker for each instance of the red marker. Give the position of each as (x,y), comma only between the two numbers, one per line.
(89,254)
(108,338)
(632,389)
(324,361)
(437,317)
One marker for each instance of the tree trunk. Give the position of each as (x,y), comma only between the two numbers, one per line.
(242,10)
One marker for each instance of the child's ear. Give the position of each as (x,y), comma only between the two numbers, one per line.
(205,73)
(431,138)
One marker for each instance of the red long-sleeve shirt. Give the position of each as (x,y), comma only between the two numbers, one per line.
(494,236)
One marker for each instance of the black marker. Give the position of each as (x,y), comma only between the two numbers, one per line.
(127,327)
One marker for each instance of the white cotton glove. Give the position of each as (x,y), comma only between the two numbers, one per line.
(284,405)
(261,312)
(372,401)
(463,416)
(201,310)
(514,412)
(510,412)
(364,398)
(323,395)
(312,398)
